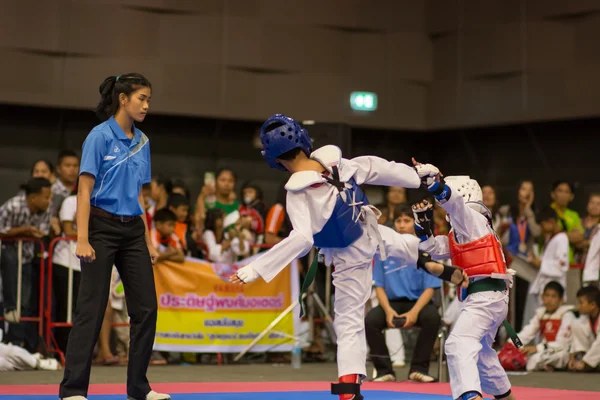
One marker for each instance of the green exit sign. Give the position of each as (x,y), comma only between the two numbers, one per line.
(363,101)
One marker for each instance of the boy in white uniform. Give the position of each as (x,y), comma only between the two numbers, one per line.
(553,265)
(472,245)
(585,352)
(552,323)
(328,209)
(15,358)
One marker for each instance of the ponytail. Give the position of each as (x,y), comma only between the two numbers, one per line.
(112,87)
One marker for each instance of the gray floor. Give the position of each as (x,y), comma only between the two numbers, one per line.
(266,373)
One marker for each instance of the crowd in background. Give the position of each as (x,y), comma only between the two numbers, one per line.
(229,220)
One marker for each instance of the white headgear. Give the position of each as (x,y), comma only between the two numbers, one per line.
(470,191)
(465,186)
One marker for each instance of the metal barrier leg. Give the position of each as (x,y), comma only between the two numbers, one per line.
(19,277)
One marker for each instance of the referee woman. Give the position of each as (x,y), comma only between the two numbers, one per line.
(115,163)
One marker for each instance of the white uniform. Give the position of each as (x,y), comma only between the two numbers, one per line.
(554,267)
(554,330)
(586,339)
(472,362)
(310,205)
(15,358)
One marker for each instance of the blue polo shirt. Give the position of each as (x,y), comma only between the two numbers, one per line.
(408,282)
(120,166)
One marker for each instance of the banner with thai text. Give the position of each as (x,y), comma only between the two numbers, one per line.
(199,311)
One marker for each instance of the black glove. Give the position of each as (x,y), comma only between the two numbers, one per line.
(423,221)
(424,258)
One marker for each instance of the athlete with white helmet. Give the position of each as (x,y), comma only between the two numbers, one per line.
(472,245)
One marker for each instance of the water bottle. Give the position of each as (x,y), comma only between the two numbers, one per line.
(296,355)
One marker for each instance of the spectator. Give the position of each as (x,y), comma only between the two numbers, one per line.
(395,195)
(218,195)
(43,169)
(178,204)
(562,195)
(405,292)
(22,217)
(164,239)
(63,261)
(585,352)
(67,170)
(15,358)
(277,224)
(590,225)
(253,208)
(553,265)
(552,324)
(179,187)
(223,246)
(591,268)
(489,199)
(159,193)
(520,237)
(523,228)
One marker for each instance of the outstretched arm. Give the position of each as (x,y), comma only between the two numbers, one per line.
(297,244)
(452,274)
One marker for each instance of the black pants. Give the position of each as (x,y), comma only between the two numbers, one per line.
(23,334)
(429,321)
(124,245)
(60,286)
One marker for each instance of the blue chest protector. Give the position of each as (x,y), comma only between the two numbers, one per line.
(343,227)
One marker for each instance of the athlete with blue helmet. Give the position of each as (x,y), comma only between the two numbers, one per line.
(329,210)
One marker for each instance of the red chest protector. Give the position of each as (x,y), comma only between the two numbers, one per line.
(481,257)
(549,329)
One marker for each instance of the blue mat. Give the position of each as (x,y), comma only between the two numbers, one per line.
(369,394)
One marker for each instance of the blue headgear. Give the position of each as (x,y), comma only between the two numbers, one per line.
(282,139)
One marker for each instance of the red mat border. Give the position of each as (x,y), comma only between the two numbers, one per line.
(257,387)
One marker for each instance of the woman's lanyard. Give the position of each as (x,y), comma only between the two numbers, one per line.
(522,227)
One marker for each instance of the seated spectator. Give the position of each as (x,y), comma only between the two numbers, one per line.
(43,169)
(163,237)
(15,358)
(562,195)
(179,205)
(67,170)
(489,199)
(224,246)
(159,193)
(40,169)
(585,352)
(552,324)
(179,187)
(553,265)
(403,292)
(22,217)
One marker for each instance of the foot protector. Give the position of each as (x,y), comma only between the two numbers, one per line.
(348,387)
(470,395)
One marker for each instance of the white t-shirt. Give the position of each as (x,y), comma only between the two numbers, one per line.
(555,264)
(64,251)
